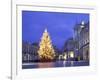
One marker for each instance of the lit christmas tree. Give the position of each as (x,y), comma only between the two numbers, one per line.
(46,51)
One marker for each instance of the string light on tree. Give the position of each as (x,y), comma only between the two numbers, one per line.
(46,51)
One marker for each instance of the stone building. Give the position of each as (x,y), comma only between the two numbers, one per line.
(29,52)
(84,41)
(69,48)
(81,37)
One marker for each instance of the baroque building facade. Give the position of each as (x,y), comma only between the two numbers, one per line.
(81,36)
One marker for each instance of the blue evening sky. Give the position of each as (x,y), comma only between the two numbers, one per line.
(59,25)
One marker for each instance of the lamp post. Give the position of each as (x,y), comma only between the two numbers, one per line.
(65,58)
(72,56)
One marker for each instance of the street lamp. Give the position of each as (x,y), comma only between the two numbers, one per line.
(64,58)
(72,56)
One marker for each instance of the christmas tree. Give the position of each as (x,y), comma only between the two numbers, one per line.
(46,51)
